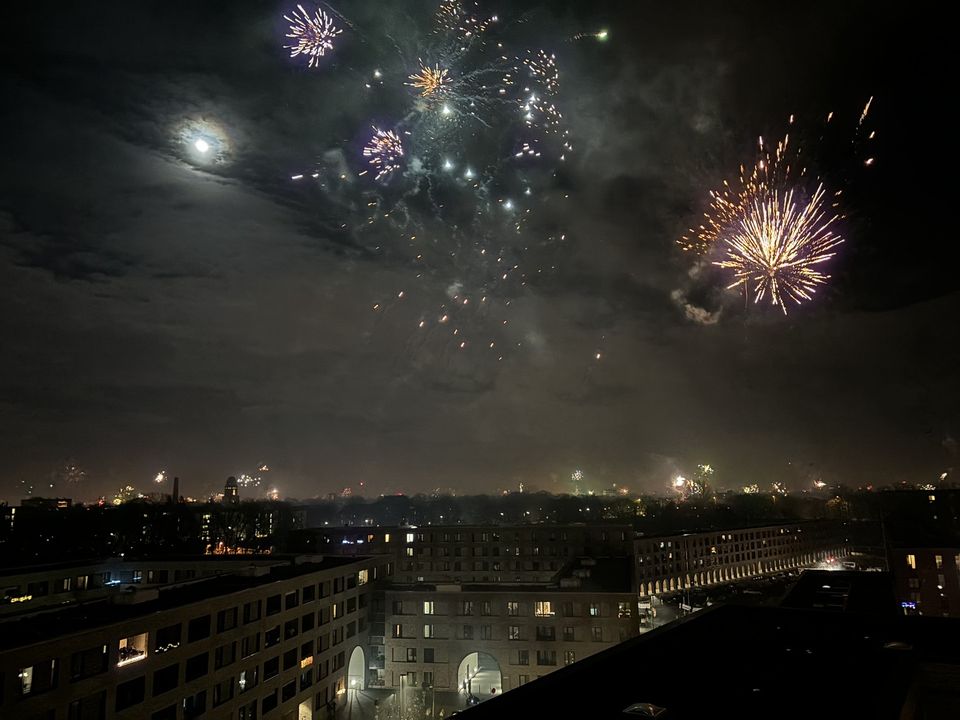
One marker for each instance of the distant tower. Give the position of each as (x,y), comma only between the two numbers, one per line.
(175,497)
(231,493)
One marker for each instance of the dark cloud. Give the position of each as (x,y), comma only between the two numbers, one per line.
(204,317)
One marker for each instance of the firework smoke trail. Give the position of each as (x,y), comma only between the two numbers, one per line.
(778,245)
(313,35)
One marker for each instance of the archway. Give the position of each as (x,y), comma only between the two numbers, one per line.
(479,675)
(357,670)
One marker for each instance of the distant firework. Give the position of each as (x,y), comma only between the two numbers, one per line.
(459,174)
(384,152)
(429,80)
(313,36)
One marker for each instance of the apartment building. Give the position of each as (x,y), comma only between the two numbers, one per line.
(515,554)
(482,639)
(671,563)
(241,639)
(927,579)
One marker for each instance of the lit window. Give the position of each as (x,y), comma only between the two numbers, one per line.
(939,561)
(513,632)
(513,608)
(569,657)
(409,552)
(386,537)
(38,677)
(132,649)
(409,537)
(594,609)
(429,631)
(363,577)
(428,607)
(912,561)
(543,608)
(623,609)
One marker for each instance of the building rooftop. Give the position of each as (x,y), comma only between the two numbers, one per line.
(45,625)
(733,661)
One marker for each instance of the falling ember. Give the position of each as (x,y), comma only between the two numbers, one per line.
(312,36)
(430,80)
(866,110)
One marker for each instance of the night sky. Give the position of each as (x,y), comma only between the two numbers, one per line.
(162,310)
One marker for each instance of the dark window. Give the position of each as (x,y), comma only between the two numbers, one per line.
(222,692)
(309,593)
(307,622)
(306,678)
(168,638)
(249,645)
(273,605)
(197,666)
(38,589)
(168,713)
(248,712)
(292,600)
(251,611)
(290,629)
(166,679)
(195,706)
(269,703)
(39,677)
(224,655)
(428,655)
(271,668)
(131,692)
(198,629)
(288,691)
(226,620)
(93,707)
(290,659)
(271,637)
(306,650)
(89,662)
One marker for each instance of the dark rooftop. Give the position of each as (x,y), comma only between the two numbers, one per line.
(733,661)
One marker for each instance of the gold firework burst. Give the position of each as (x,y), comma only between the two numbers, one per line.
(430,80)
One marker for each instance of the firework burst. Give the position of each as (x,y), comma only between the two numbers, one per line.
(728,205)
(430,80)
(312,36)
(384,152)
(778,245)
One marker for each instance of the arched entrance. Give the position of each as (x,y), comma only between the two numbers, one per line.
(479,675)
(357,670)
